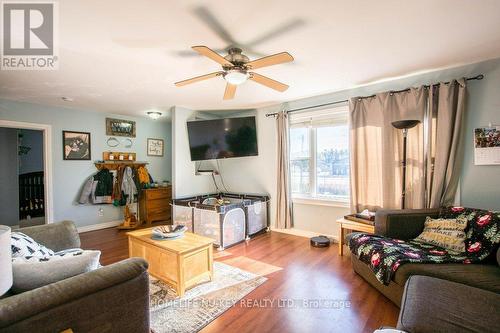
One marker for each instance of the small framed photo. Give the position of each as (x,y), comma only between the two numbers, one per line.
(120,127)
(155,147)
(76,145)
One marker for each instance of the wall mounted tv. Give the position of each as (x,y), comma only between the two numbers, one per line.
(222,138)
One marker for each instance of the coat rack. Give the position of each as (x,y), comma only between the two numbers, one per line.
(131,221)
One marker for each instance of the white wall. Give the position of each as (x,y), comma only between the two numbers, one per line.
(185,182)
(255,174)
(318,218)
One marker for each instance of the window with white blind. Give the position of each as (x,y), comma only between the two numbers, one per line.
(319,154)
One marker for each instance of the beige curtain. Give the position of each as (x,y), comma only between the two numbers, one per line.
(445,121)
(376,150)
(283,196)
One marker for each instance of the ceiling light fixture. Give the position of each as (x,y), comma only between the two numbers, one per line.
(154,114)
(236,76)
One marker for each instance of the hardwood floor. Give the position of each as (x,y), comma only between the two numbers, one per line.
(308,276)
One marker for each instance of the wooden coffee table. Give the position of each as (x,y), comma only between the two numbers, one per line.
(182,263)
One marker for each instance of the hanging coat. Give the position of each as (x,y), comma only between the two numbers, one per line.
(128,186)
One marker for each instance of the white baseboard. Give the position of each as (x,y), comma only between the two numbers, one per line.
(98,226)
(305,233)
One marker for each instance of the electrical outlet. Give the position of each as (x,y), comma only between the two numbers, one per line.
(100,212)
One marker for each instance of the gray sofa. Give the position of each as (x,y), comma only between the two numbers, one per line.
(408,224)
(113,298)
(431,305)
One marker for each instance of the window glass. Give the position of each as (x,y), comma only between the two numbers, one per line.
(332,162)
(319,154)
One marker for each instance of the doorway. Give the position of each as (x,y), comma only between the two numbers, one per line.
(25,180)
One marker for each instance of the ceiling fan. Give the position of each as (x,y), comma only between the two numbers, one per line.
(236,69)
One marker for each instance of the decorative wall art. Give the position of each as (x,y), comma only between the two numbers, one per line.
(76,145)
(120,127)
(113,142)
(487,145)
(155,147)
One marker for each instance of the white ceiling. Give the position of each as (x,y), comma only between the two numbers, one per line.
(122,56)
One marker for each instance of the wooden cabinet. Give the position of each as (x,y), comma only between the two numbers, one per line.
(154,205)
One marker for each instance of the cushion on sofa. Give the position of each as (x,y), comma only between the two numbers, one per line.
(446,233)
(22,245)
(486,277)
(33,272)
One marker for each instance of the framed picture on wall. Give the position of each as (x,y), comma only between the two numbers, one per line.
(120,127)
(487,145)
(76,145)
(155,147)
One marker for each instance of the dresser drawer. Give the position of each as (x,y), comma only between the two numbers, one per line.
(158,211)
(151,204)
(158,194)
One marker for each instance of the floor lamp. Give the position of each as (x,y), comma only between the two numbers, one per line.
(404,125)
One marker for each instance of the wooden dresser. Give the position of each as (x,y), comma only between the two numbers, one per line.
(154,205)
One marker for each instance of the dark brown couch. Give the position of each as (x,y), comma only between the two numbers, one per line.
(408,224)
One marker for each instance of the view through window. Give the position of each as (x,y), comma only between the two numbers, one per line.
(319,154)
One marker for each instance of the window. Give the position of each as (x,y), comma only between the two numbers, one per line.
(319,154)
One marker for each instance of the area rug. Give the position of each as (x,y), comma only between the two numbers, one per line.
(201,304)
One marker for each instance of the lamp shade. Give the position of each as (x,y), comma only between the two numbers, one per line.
(5,260)
(405,124)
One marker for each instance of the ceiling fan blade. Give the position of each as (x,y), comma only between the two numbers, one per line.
(197,78)
(270,83)
(213,23)
(230,91)
(274,59)
(285,28)
(190,53)
(209,53)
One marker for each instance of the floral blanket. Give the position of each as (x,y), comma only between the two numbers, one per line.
(385,255)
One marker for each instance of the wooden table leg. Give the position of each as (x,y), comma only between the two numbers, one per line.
(341,241)
(211,261)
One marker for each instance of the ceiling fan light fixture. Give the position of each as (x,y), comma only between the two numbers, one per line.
(154,114)
(236,76)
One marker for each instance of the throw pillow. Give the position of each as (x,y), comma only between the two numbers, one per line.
(482,235)
(445,233)
(33,272)
(23,245)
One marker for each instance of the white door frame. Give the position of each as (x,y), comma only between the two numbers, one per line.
(47,160)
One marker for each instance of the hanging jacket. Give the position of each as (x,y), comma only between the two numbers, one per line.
(143,175)
(128,185)
(97,189)
(86,191)
(104,180)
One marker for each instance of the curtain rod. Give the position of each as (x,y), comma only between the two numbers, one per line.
(477,77)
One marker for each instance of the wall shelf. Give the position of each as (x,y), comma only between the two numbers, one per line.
(113,165)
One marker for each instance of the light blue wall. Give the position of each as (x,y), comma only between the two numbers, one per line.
(480,185)
(69,176)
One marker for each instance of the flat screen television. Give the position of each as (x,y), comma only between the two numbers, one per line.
(222,138)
